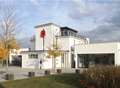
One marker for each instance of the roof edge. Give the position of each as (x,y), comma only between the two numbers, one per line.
(65,27)
(46,24)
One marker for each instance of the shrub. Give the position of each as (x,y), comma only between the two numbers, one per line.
(103,76)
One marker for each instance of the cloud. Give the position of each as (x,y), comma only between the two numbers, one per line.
(104,33)
(109,29)
(35,2)
(115,18)
(107,32)
(24,42)
(78,9)
(94,9)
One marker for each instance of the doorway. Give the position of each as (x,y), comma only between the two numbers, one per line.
(17,60)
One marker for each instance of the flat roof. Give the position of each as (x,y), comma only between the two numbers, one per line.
(47,24)
(39,51)
(68,29)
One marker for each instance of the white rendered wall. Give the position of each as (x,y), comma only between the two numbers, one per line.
(66,42)
(35,63)
(51,32)
(96,48)
(117,55)
(29,62)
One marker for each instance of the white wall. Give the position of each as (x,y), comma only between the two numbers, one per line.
(35,63)
(29,62)
(51,32)
(66,42)
(48,62)
(96,48)
(117,55)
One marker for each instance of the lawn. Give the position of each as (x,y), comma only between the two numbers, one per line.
(53,81)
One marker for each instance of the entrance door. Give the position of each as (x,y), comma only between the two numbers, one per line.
(17,60)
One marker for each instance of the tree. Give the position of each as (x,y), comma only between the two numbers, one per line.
(3,53)
(9,27)
(53,53)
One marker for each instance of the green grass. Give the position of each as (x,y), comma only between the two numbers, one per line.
(53,81)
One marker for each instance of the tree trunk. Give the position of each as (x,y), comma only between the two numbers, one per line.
(54,63)
(7,65)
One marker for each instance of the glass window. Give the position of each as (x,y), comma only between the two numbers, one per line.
(33,56)
(62,33)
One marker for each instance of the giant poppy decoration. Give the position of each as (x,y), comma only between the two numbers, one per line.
(42,33)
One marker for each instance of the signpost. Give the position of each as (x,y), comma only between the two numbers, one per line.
(42,35)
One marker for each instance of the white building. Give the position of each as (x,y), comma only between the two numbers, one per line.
(99,53)
(77,51)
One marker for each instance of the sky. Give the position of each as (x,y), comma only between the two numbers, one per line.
(97,19)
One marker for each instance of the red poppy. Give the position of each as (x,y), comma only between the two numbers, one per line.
(42,33)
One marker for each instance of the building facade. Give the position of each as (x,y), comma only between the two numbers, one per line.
(97,54)
(77,51)
(65,37)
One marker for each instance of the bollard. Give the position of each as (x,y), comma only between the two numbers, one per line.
(77,71)
(31,74)
(47,72)
(9,77)
(59,71)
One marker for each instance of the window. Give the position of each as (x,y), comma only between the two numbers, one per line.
(33,56)
(66,33)
(62,33)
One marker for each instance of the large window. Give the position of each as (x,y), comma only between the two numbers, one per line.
(33,56)
(64,33)
(88,60)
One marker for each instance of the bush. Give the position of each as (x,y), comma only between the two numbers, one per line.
(103,76)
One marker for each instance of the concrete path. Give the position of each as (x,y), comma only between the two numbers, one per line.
(21,73)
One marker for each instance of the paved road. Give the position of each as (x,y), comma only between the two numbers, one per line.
(21,73)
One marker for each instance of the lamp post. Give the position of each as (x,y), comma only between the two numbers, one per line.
(42,35)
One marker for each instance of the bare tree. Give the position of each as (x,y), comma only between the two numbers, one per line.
(9,26)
